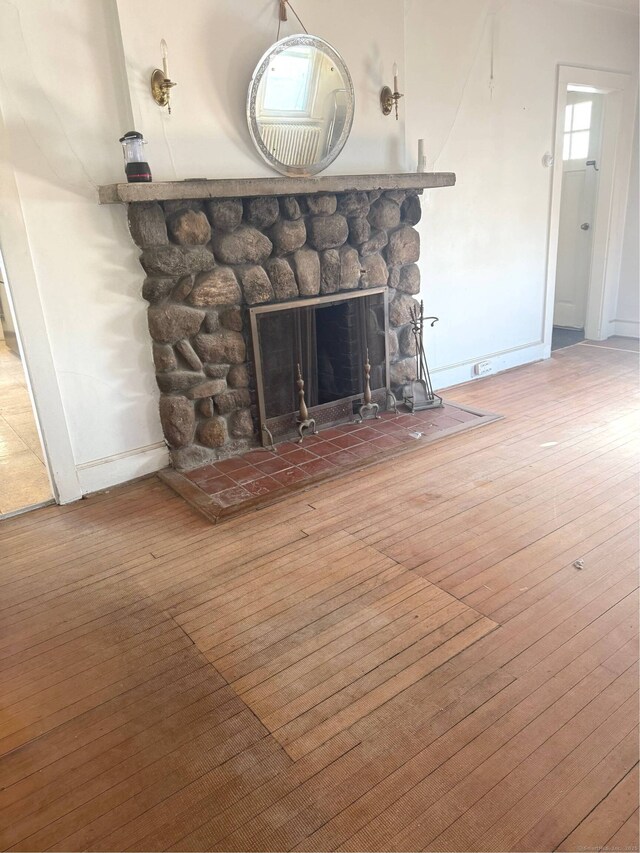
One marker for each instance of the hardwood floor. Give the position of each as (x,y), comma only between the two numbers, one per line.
(409,658)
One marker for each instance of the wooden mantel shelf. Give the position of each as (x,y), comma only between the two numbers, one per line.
(246,187)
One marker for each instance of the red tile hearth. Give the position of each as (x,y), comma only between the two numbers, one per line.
(259,477)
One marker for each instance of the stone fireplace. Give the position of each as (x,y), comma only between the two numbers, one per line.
(214,264)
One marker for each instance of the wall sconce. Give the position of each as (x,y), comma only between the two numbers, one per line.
(389,98)
(161,85)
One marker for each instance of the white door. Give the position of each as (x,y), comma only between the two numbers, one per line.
(582,135)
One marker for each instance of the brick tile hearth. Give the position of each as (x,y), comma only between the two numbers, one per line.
(231,486)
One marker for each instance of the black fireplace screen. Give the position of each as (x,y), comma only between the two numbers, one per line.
(329,337)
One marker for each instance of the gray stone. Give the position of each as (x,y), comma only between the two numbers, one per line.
(206,408)
(188,353)
(177,380)
(282,278)
(287,235)
(256,285)
(374,195)
(349,268)
(353,204)
(238,376)
(375,243)
(289,207)
(189,228)
(327,232)
(384,214)
(306,264)
(192,456)
(212,321)
(245,245)
(323,204)
(330,271)
(146,224)
(232,400)
(261,212)
(359,230)
(404,246)
(155,289)
(171,323)
(223,347)
(375,271)
(182,289)
(400,309)
(241,424)
(231,318)
(212,432)
(164,358)
(409,279)
(392,343)
(207,389)
(219,286)
(163,259)
(225,214)
(396,195)
(217,371)
(402,372)
(411,210)
(178,420)
(198,259)
(407,341)
(394,277)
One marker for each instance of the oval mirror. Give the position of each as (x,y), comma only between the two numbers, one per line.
(300,105)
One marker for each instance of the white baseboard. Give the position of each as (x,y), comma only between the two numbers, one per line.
(456,374)
(626,328)
(112,470)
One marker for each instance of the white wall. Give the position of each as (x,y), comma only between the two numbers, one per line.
(74,76)
(485,243)
(213,51)
(627,320)
(62,113)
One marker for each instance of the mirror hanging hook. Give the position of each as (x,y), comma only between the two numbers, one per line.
(282,15)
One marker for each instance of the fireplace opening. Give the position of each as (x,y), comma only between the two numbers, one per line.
(329,337)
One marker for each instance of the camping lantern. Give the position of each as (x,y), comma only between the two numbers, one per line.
(136,167)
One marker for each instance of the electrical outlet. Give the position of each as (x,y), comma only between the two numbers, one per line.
(482,368)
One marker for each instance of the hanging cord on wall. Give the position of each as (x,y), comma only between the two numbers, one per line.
(490,17)
(283,16)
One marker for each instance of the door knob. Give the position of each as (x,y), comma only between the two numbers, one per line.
(585,226)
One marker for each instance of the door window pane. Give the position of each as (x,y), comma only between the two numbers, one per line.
(577,122)
(581,116)
(579,145)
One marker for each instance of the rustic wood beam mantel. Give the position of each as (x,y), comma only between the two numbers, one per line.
(247,187)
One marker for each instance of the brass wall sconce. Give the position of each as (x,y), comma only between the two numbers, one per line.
(388,98)
(161,85)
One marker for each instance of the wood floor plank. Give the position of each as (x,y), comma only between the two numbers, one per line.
(380,662)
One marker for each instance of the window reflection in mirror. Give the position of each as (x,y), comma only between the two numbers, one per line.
(303,105)
(287,82)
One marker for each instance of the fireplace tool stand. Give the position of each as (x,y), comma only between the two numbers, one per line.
(418,395)
(368,404)
(304,421)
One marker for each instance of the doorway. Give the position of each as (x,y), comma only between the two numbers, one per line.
(580,170)
(592,155)
(24,479)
